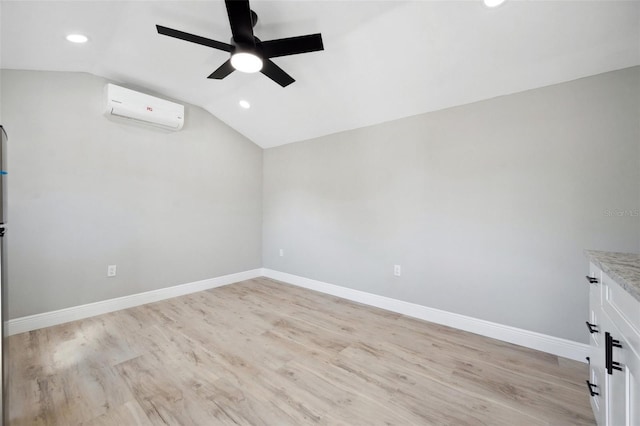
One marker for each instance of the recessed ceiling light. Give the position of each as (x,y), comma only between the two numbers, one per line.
(245,104)
(77,38)
(493,3)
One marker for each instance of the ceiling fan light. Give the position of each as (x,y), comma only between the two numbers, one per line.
(77,38)
(246,62)
(493,3)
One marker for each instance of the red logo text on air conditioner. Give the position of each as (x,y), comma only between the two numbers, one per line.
(149,109)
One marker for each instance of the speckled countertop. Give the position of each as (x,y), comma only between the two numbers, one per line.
(623,268)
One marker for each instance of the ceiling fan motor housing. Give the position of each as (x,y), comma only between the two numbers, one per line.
(246,47)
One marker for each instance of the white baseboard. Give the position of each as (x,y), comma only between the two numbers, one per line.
(530,339)
(47,319)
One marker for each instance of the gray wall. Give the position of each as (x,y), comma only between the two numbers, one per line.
(487,206)
(85,192)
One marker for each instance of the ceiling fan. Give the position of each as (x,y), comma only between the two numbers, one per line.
(248,53)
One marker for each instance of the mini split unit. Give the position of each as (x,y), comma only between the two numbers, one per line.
(141,108)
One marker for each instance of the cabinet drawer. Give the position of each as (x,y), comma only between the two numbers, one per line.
(595,323)
(595,288)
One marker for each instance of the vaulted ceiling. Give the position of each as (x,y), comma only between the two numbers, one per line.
(383,60)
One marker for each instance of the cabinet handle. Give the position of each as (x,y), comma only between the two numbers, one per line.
(610,343)
(591,386)
(592,280)
(592,328)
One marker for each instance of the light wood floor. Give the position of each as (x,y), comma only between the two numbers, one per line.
(264,353)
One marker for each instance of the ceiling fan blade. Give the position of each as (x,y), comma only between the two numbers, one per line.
(276,73)
(240,20)
(193,38)
(292,45)
(222,71)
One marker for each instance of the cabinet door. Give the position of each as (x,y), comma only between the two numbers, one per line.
(615,386)
(597,367)
(596,342)
(622,387)
(633,388)
(597,391)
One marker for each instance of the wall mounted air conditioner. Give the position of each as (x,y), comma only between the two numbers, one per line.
(138,107)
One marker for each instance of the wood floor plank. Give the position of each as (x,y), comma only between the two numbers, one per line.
(128,414)
(260,352)
(476,380)
(492,351)
(435,398)
(161,398)
(71,396)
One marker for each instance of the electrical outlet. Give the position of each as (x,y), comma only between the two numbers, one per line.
(397,270)
(281,252)
(111,270)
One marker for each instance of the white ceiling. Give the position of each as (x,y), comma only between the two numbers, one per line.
(383,60)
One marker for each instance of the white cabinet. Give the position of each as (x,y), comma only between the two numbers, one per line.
(596,339)
(614,322)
